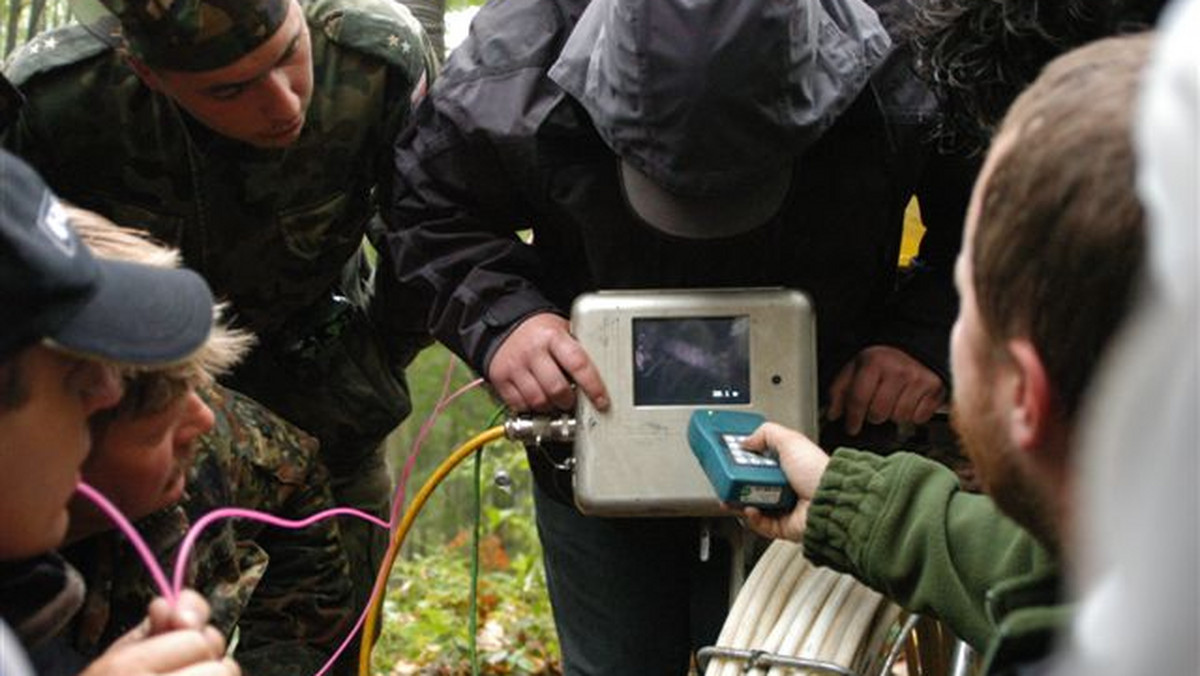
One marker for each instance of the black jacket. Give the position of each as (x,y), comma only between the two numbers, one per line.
(497,148)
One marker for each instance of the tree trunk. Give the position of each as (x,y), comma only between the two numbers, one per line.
(10,34)
(36,9)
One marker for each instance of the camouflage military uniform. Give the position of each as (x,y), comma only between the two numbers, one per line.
(279,233)
(287,591)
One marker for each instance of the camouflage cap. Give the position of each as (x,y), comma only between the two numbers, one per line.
(187,35)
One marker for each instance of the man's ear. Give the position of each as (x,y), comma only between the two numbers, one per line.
(144,72)
(1031,413)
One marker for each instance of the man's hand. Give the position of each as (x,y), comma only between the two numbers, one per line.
(534,367)
(883,383)
(803,464)
(190,611)
(171,642)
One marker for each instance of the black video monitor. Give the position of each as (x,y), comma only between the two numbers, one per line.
(691,361)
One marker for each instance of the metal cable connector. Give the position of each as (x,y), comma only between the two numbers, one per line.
(540,428)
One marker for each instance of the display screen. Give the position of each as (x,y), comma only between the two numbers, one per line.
(691,361)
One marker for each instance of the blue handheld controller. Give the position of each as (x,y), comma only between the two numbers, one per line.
(741,478)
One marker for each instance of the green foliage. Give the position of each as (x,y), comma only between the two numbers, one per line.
(452,5)
(425,615)
(426,612)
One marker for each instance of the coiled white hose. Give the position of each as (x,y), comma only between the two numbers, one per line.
(789,607)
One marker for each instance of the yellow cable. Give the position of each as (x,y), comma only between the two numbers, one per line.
(367,641)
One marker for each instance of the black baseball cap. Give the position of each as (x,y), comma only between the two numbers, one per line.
(709,103)
(52,289)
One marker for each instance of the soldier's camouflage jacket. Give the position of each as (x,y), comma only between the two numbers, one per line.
(287,591)
(278,233)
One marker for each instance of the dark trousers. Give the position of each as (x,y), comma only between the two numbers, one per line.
(630,596)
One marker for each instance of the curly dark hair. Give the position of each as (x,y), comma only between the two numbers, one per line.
(977,55)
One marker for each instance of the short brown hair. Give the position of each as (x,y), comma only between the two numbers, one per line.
(1060,239)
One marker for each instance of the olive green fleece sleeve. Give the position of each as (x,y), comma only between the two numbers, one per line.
(902,525)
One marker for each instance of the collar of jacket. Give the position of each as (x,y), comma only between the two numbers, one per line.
(39,596)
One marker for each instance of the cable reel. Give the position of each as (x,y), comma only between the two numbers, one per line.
(792,617)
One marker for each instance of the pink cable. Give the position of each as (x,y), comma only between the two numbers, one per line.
(402,485)
(203,522)
(426,427)
(139,544)
(376,589)
(171,590)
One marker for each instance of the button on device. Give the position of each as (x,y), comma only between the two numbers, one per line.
(743,457)
(739,476)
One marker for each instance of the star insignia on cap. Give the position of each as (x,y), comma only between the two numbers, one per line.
(393,40)
(50,42)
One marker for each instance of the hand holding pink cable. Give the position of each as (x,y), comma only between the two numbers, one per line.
(171,590)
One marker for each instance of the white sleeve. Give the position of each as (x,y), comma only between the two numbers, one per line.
(12,655)
(1139,519)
